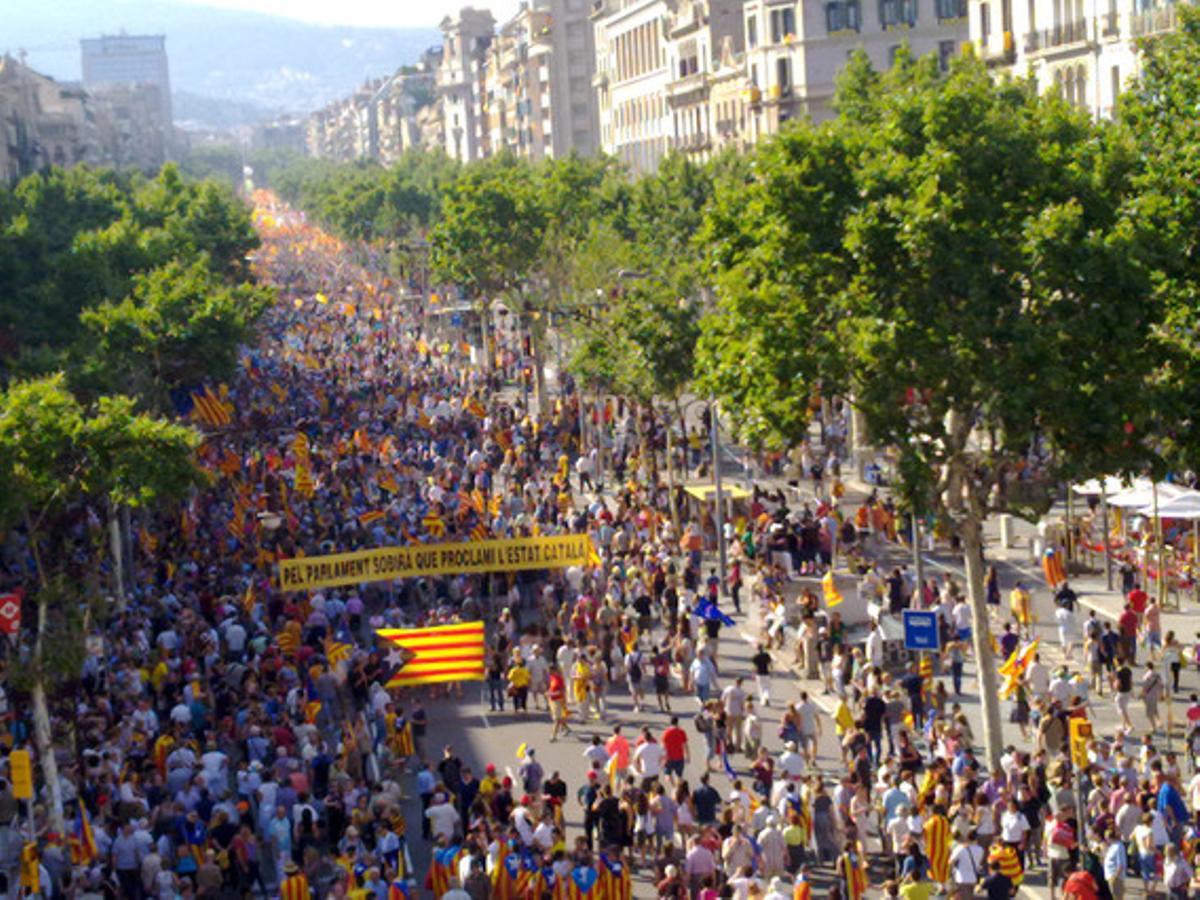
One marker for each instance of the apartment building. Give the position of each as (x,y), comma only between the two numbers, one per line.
(537,82)
(794,50)
(703,37)
(466,37)
(115,61)
(631,80)
(1084,50)
(45,123)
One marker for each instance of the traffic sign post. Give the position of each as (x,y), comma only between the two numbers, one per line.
(20,770)
(921,630)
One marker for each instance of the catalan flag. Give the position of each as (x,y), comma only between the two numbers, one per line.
(370,516)
(289,639)
(248,599)
(304,482)
(388,482)
(300,447)
(615,882)
(434,524)
(148,541)
(937,848)
(312,703)
(443,653)
(474,407)
(1014,668)
(82,840)
(210,409)
(833,596)
(336,651)
(279,391)
(479,533)
(443,867)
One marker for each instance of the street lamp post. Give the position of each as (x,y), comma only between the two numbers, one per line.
(718,496)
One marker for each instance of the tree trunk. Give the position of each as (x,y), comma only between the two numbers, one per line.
(971,532)
(42,735)
(118,556)
(671,481)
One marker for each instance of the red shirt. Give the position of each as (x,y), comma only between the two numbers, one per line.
(1137,599)
(674,741)
(1128,623)
(556,690)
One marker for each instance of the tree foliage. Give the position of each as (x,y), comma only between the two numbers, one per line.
(179,326)
(73,239)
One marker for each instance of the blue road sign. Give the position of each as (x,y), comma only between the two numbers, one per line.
(920,630)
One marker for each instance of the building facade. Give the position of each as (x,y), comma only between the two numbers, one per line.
(795,50)
(537,82)
(704,47)
(130,61)
(1084,50)
(631,80)
(46,123)
(467,35)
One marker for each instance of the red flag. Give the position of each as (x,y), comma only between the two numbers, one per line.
(10,612)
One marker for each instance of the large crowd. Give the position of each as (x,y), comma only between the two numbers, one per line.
(233,740)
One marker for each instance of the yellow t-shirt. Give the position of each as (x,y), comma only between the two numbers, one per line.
(916,890)
(518,676)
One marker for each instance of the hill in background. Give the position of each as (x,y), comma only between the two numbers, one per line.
(256,61)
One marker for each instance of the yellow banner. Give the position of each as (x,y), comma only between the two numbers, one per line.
(388,563)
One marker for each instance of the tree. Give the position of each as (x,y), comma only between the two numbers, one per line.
(180,326)
(56,459)
(1157,121)
(967,284)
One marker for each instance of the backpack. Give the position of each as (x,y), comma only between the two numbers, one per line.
(635,668)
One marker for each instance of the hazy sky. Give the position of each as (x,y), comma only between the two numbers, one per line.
(366,13)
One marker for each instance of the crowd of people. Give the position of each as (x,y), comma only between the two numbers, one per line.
(230,739)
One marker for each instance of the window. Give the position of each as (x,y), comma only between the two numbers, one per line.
(783,23)
(985,23)
(950,9)
(783,75)
(752,31)
(1114,76)
(754,75)
(945,54)
(893,52)
(897,13)
(843,15)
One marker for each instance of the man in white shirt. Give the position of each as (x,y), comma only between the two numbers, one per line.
(875,646)
(733,699)
(443,817)
(648,759)
(966,866)
(791,763)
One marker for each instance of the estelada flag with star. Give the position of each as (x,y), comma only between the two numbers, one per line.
(432,655)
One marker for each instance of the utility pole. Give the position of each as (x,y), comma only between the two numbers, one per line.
(718,496)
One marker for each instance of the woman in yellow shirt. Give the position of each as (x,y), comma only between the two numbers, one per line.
(518,684)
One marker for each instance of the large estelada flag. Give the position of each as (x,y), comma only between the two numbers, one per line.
(430,655)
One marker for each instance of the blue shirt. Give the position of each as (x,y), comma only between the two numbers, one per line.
(1170,801)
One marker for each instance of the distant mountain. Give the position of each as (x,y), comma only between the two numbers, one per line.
(266,61)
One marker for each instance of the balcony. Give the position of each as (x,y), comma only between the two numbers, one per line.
(1005,55)
(1152,21)
(1058,36)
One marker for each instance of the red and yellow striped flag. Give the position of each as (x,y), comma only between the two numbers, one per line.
(305,486)
(373,515)
(444,653)
(211,409)
(388,482)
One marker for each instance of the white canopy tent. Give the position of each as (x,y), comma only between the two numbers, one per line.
(1186,506)
(1141,495)
(1107,486)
